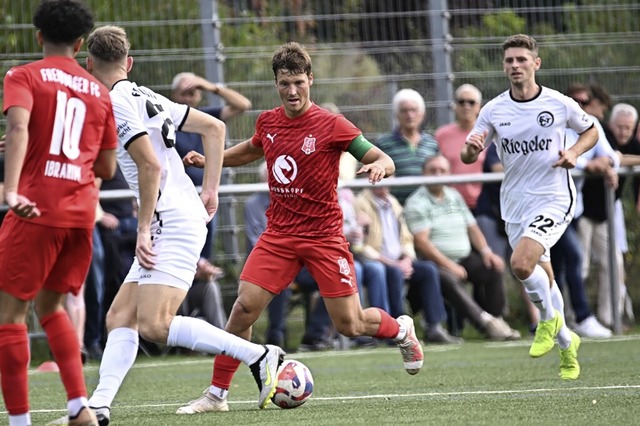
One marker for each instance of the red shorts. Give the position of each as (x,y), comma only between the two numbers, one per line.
(276,260)
(35,257)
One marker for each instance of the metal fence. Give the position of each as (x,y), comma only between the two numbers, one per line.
(363,52)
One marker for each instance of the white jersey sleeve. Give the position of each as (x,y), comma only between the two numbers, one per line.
(577,119)
(483,125)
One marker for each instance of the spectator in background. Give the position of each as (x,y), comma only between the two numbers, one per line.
(567,255)
(407,145)
(118,230)
(389,242)
(445,232)
(187,88)
(593,226)
(45,239)
(599,102)
(451,137)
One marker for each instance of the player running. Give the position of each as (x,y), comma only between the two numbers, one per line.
(537,198)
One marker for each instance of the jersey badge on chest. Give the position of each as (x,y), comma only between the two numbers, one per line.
(309,145)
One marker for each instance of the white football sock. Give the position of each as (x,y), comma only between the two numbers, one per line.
(119,355)
(218,393)
(564,335)
(20,420)
(537,287)
(75,405)
(199,335)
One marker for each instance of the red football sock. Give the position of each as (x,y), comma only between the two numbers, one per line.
(64,345)
(14,361)
(389,327)
(224,367)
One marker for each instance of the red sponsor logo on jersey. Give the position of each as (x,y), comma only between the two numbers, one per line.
(309,145)
(344,266)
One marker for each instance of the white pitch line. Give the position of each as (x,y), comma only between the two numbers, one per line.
(388,396)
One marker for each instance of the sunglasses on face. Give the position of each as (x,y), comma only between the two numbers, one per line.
(470,102)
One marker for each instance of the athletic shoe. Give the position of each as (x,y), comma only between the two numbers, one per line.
(206,403)
(437,334)
(569,366)
(498,330)
(591,327)
(103,414)
(410,347)
(86,417)
(265,372)
(546,333)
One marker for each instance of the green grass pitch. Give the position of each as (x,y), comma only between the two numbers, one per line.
(477,383)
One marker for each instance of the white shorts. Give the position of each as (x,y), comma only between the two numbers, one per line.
(177,243)
(545,226)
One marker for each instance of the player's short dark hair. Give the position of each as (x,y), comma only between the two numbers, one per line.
(291,57)
(521,40)
(63,21)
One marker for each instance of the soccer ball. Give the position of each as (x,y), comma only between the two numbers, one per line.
(295,384)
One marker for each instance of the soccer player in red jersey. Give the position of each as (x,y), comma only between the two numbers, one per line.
(61,135)
(302,144)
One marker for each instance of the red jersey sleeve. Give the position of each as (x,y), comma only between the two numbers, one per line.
(110,137)
(344,132)
(17,90)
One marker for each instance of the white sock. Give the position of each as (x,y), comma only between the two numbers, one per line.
(217,392)
(119,355)
(199,335)
(75,405)
(537,287)
(20,420)
(564,335)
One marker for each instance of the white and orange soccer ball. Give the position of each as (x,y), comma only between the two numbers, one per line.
(295,384)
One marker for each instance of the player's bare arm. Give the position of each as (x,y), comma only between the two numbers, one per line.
(472,148)
(241,154)
(569,157)
(377,164)
(17,138)
(149,170)
(212,132)
(105,165)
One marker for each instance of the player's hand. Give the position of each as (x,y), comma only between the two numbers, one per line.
(193,159)
(568,159)
(210,200)
(21,205)
(475,143)
(144,249)
(376,172)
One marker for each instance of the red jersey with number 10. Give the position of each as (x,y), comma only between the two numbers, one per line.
(71,122)
(303,158)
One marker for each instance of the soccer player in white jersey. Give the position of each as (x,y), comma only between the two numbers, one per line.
(528,124)
(172,222)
